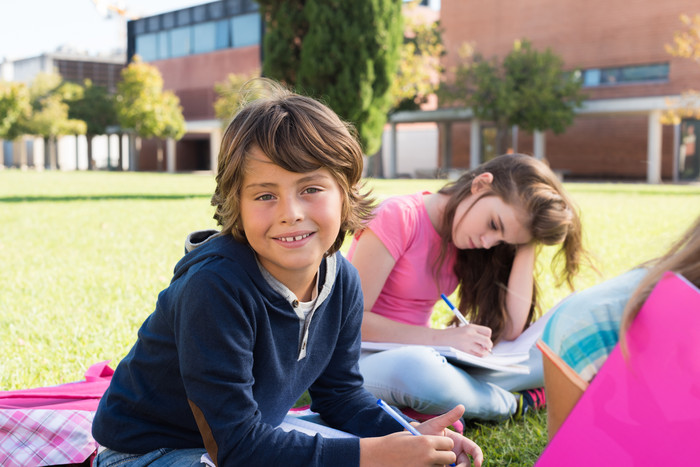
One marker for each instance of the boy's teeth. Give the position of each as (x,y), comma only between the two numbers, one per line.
(292,239)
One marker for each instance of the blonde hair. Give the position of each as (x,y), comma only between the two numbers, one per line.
(298,134)
(551,217)
(682,258)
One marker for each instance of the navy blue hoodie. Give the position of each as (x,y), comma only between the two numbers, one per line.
(224,356)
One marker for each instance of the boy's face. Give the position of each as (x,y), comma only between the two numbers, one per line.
(290,219)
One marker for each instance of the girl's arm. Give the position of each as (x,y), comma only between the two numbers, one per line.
(374,263)
(519,296)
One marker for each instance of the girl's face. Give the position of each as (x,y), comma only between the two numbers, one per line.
(488,221)
(290,219)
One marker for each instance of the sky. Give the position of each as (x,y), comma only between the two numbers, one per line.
(31,27)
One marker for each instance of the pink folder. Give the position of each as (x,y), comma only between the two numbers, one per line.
(643,410)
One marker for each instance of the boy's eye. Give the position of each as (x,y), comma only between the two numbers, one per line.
(312,189)
(265,198)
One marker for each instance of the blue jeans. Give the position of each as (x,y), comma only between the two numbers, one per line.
(423,380)
(158,458)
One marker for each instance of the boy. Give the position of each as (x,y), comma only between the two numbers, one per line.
(261,312)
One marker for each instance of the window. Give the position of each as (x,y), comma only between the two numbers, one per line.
(147,47)
(222,35)
(657,72)
(245,30)
(159,38)
(180,42)
(163,45)
(204,37)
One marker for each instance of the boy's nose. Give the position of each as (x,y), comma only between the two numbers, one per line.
(290,211)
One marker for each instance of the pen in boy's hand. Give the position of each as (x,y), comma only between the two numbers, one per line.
(457,313)
(410,428)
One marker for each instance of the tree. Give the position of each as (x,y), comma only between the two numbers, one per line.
(14,105)
(529,89)
(50,118)
(14,108)
(143,106)
(95,106)
(345,53)
(229,97)
(419,70)
(686,44)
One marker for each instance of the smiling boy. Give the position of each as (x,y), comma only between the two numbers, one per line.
(262,311)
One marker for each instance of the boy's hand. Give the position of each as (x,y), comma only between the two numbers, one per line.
(404,449)
(437,446)
(463,447)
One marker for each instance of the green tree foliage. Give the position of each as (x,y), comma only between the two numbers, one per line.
(229,97)
(143,105)
(419,67)
(95,106)
(346,53)
(686,44)
(50,119)
(14,107)
(529,89)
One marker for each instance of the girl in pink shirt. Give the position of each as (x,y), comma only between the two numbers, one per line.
(477,235)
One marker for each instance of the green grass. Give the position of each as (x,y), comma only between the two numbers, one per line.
(83,256)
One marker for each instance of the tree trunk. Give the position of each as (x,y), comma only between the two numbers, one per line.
(159,157)
(77,152)
(48,151)
(375,164)
(121,152)
(91,162)
(502,138)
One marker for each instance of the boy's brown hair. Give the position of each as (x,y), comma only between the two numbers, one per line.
(300,135)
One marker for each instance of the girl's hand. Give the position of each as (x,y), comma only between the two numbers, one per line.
(473,339)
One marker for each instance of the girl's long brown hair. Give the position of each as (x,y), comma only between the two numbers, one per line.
(682,258)
(552,218)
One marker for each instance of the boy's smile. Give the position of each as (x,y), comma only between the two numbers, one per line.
(290,219)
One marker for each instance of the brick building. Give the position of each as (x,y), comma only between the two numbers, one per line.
(194,49)
(627,73)
(618,46)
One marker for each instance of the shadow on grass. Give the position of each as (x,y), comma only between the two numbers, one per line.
(104,197)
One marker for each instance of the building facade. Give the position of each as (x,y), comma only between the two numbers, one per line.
(104,70)
(629,77)
(194,49)
(617,46)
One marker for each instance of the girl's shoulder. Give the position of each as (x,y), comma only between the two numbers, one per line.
(402,206)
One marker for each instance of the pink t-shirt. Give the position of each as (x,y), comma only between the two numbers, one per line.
(410,291)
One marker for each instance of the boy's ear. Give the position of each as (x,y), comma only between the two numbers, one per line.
(482,182)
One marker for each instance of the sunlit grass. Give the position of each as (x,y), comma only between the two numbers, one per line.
(84,255)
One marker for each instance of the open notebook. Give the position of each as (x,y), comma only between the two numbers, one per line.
(506,355)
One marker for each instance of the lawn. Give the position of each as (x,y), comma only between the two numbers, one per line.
(83,256)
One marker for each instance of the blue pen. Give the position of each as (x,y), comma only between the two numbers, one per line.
(455,310)
(397,417)
(411,429)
